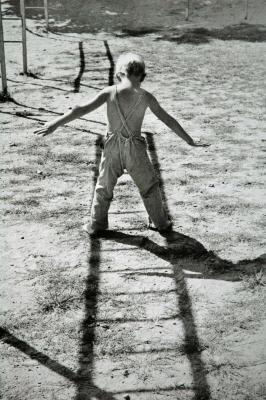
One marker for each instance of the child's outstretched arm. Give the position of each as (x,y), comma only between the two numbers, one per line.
(170,121)
(74,113)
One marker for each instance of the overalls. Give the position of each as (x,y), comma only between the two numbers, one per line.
(126,152)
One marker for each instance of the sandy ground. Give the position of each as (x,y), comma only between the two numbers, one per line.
(131,315)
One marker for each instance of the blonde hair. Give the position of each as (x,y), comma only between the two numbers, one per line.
(130,64)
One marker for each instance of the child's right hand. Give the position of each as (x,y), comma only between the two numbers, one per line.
(46,129)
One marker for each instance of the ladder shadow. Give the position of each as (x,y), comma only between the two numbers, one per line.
(192,346)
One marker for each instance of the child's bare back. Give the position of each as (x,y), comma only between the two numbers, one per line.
(133,103)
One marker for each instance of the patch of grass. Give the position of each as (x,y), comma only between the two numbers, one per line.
(112,340)
(66,193)
(36,148)
(30,202)
(20,170)
(255,280)
(6,197)
(51,159)
(132,307)
(15,182)
(69,225)
(59,291)
(22,206)
(71,158)
(15,211)
(67,211)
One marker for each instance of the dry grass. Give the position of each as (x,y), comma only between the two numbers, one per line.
(254,280)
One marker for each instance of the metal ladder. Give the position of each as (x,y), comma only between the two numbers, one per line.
(22,18)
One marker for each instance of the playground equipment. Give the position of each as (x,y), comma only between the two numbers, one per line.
(246,10)
(187,10)
(2,53)
(23,40)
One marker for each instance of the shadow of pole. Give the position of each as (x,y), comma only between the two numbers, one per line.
(81,68)
(156,165)
(112,64)
(34,354)
(192,346)
(191,341)
(53,365)
(86,359)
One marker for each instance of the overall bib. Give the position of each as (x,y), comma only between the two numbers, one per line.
(126,152)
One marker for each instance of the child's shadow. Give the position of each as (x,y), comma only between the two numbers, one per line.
(201,263)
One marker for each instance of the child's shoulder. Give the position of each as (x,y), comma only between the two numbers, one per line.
(147,95)
(108,89)
(107,93)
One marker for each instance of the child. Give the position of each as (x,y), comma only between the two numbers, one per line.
(124,147)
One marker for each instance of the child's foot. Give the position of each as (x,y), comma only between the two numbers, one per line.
(166,231)
(92,232)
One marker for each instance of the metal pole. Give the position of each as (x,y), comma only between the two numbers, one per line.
(24,38)
(246,13)
(2,54)
(187,10)
(45,4)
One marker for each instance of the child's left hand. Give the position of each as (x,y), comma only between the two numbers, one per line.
(46,129)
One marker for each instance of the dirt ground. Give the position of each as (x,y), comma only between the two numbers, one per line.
(130,315)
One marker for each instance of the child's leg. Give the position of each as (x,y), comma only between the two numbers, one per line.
(141,170)
(109,172)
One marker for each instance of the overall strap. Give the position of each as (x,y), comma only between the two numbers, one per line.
(122,117)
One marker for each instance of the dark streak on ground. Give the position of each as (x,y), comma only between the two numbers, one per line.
(112,64)
(156,165)
(191,345)
(245,32)
(38,84)
(86,390)
(24,347)
(26,116)
(81,68)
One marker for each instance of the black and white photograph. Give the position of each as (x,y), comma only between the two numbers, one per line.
(133,223)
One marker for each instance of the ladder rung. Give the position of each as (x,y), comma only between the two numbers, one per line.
(12,41)
(28,8)
(3,19)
